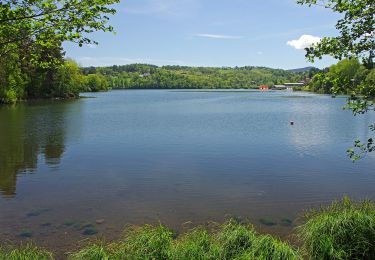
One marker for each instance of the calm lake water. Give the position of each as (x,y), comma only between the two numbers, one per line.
(143,156)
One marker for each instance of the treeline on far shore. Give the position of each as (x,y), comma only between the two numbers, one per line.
(143,76)
(343,230)
(66,79)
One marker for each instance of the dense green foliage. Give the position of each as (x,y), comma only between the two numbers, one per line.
(31,36)
(356,36)
(142,76)
(344,230)
(48,23)
(348,76)
(95,83)
(63,81)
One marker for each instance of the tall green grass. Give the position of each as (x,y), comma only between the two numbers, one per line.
(147,242)
(267,247)
(195,244)
(231,240)
(343,230)
(28,252)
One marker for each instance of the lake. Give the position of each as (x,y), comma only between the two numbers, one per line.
(181,158)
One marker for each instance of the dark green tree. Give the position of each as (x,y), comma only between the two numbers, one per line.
(356,36)
(31,36)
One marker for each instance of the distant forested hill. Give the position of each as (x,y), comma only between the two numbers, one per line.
(144,76)
(304,69)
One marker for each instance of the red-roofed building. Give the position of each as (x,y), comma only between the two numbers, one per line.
(263,87)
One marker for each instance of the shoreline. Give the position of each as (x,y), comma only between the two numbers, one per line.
(343,229)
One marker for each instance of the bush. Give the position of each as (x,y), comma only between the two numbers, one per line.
(9,97)
(344,230)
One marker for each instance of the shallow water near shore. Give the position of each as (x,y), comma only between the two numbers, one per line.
(76,169)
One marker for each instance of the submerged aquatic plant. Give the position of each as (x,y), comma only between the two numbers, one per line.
(25,234)
(286,222)
(343,230)
(267,221)
(89,231)
(87,228)
(45,224)
(36,212)
(69,223)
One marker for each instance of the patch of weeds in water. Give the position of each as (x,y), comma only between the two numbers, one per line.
(36,212)
(286,222)
(77,226)
(87,228)
(25,234)
(45,224)
(83,225)
(267,221)
(69,223)
(89,231)
(86,225)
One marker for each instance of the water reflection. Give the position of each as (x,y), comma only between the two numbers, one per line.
(320,123)
(27,131)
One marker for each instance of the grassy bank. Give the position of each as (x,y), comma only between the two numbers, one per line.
(343,230)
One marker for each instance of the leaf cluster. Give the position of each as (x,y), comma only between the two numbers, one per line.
(356,36)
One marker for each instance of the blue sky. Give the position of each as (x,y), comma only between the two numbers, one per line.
(209,33)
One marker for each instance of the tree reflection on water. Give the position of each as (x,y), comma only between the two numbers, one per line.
(26,132)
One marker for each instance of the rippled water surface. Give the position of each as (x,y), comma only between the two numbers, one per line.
(145,156)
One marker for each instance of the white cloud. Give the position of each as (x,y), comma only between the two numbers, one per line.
(304,41)
(218,36)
